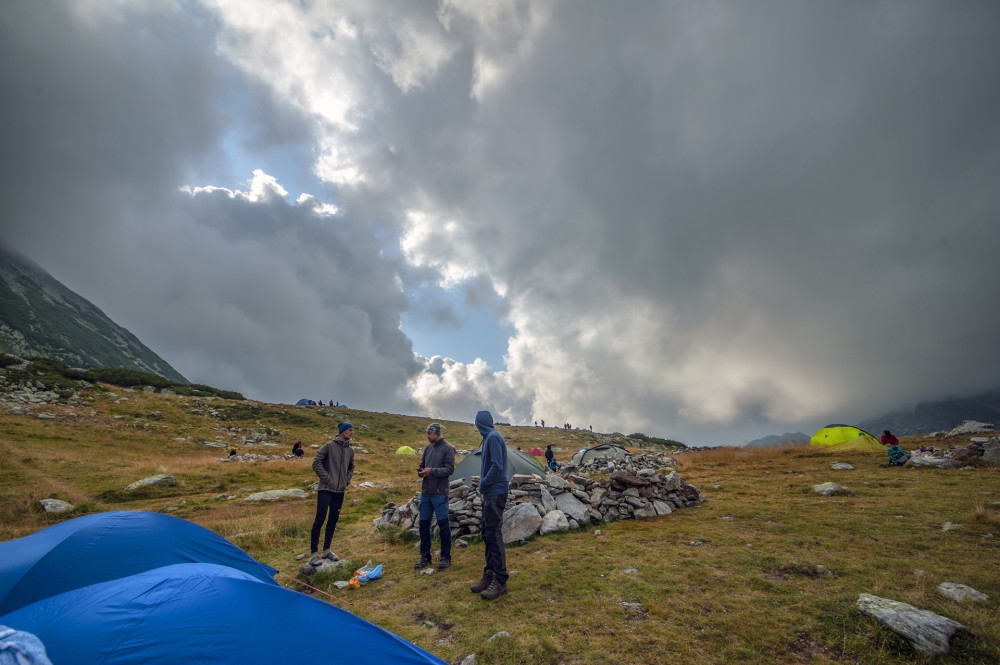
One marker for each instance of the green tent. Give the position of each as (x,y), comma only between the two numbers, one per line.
(595,452)
(836,438)
(405,450)
(518,461)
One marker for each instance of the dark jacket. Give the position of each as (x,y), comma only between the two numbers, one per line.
(334,464)
(549,455)
(439,457)
(493,469)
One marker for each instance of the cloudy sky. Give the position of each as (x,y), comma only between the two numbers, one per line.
(704,220)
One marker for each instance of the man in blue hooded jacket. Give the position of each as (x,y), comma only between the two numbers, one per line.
(493,486)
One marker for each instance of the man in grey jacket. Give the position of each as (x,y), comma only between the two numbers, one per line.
(436,467)
(334,464)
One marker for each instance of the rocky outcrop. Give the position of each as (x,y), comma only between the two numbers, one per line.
(556,503)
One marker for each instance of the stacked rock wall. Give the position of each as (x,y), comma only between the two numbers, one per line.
(536,504)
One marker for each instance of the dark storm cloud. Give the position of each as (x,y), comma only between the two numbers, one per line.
(106,117)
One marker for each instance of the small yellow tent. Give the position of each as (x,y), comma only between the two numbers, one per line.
(835,438)
(405,450)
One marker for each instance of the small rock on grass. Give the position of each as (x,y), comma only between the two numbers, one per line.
(961,593)
(502,633)
(929,633)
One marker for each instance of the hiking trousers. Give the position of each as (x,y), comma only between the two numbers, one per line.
(496,555)
(438,506)
(326,502)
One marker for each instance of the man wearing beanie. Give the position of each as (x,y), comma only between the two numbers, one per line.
(334,464)
(436,467)
(493,486)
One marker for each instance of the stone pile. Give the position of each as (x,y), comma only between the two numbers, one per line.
(981,448)
(555,503)
(630,464)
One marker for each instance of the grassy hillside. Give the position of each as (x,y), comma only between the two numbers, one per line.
(734,580)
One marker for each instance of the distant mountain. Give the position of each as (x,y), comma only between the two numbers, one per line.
(41,317)
(946,414)
(796,438)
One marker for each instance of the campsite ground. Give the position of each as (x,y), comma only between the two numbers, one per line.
(741,578)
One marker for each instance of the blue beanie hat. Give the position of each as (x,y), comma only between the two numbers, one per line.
(344,425)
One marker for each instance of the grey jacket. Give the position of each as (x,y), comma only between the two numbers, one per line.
(334,464)
(439,457)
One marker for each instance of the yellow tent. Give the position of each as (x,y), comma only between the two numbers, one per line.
(405,450)
(835,438)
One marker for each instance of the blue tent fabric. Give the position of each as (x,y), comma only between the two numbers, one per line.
(104,546)
(305,402)
(208,614)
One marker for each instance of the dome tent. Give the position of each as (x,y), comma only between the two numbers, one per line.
(405,450)
(204,613)
(305,402)
(104,546)
(518,461)
(595,452)
(229,611)
(536,451)
(836,438)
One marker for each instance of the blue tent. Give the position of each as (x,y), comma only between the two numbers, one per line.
(104,546)
(204,613)
(305,402)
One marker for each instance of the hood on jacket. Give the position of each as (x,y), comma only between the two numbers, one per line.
(484,422)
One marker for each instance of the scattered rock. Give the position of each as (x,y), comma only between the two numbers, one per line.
(325,566)
(829,489)
(500,635)
(961,593)
(469,660)
(841,466)
(634,611)
(159,480)
(275,495)
(936,462)
(948,526)
(631,571)
(57,506)
(929,633)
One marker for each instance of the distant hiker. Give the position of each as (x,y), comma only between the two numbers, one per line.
(297,449)
(493,486)
(889,439)
(549,455)
(334,464)
(436,466)
(554,465)
(536,423)
(542,422)
(233,453)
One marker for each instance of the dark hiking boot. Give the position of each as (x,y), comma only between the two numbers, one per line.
(423,563)
(494,590)
(482,584)
(444,563)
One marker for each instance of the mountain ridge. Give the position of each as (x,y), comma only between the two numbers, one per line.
(40,316)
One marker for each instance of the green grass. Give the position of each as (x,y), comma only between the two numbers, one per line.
(748,593)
